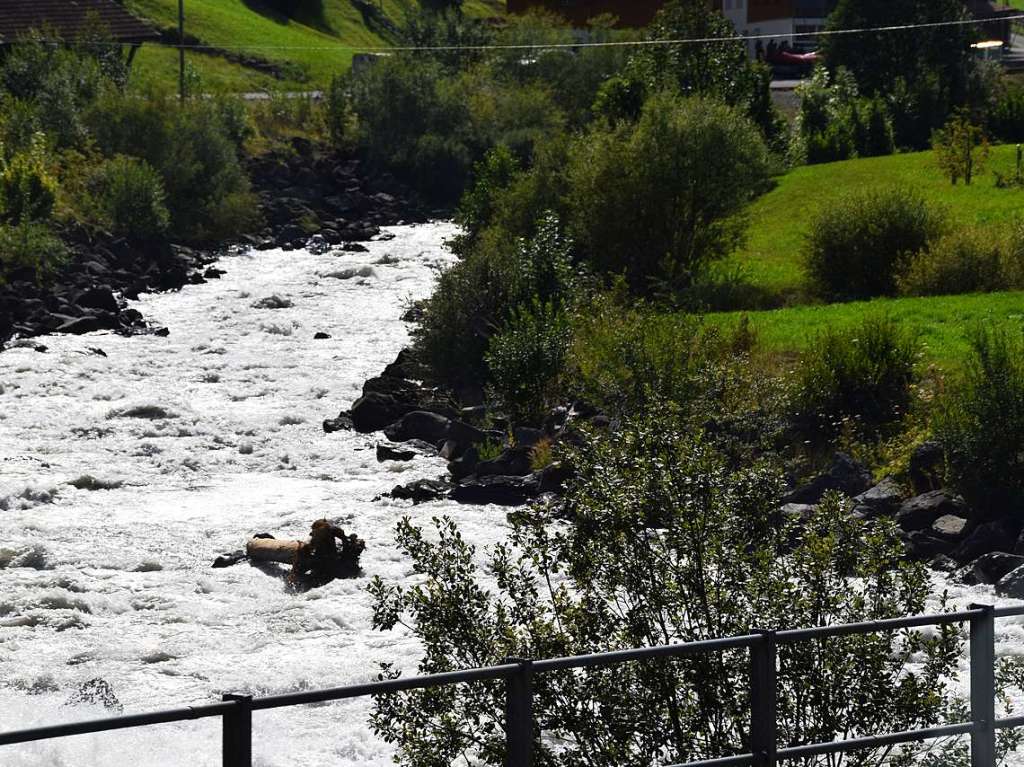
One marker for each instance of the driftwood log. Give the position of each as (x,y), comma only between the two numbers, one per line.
(272,550)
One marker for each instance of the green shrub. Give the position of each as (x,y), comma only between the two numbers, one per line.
(665,543)
(622,359)
(858,246)
(963,261)
(32,246)
(27,189)
(526,359)
(207,192)
(128,197)
(342,123)
(1006,115)
(980,423)
(661,200)
(860,377)
(478,294)
(58,82)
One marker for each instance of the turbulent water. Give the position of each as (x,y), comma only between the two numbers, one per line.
(196,441)
(124,475)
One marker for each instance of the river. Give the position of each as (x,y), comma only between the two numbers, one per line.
(199,440)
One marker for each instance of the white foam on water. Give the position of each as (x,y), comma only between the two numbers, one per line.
(195,442)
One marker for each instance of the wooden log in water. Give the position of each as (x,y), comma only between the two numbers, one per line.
(272,550)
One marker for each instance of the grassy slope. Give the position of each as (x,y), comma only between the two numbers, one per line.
(779,222)
(317,46)
(780,219)
(942,321)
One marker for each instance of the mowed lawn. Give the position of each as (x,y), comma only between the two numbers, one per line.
(780,220)
(943,322)
(319,46)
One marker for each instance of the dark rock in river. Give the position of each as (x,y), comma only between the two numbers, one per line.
(1012,584)
(992,567)
(394,453)
(504,491)
(421,491)
(1000,535)
(374,410)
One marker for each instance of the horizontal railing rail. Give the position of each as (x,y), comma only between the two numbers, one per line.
(236,711)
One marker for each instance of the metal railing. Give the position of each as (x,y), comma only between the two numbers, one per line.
(236,710)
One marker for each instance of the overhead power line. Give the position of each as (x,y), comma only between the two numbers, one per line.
(340,46)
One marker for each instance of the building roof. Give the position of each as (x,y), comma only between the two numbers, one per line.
(68,18)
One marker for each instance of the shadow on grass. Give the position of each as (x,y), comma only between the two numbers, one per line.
(308,12)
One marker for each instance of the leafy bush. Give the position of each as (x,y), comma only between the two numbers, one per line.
(666,544)
(980,423)
(661,200)
(28,191)
(30,246)
(57,82)
(623,359)
(1006,115)
(963,261)
(859,245)
(961,148)
(128,197)
(834,123)
(207,193)
(478,295)
(526,359)
(861,377)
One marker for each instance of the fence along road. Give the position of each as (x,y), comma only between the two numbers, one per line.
(236,710)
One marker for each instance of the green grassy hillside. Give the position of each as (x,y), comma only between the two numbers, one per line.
(942,321)
(311,49)
(779,220)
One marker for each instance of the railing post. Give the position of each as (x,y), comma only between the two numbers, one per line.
(519,715)
(983,693)
(763,693)
(237,736)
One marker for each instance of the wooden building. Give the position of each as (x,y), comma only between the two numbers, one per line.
(69,19)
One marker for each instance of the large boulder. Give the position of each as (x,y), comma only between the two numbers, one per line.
(845,475)
(923,544)
(1012,584)
(881,500)
(375,410)
(513,462)
(421,491)
(950,528)
(920,512)
(990,568)
(504,491)
(999,535)
(419,424)
(465,465)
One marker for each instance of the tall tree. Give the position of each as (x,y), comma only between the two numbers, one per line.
(925,72)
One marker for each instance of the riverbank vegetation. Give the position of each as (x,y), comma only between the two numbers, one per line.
(621,241)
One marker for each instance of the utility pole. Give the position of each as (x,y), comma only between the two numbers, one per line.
(181,50)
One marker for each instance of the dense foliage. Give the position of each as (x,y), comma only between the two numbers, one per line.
(980,423)
(858,247)
(665,544)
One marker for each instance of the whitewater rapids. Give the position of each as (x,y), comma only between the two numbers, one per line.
(179,449)
(197,441)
